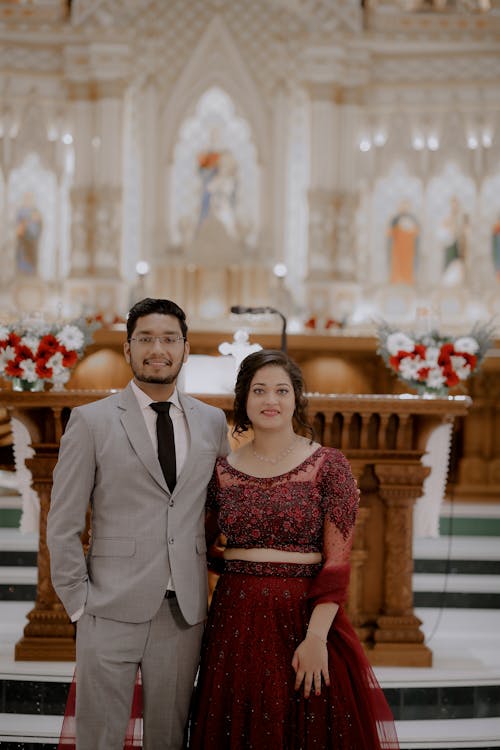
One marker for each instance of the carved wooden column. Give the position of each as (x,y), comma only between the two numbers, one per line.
(398,638)
(359,556)
(384,438)
(49,634)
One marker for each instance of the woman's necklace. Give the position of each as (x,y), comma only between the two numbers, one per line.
(280,456)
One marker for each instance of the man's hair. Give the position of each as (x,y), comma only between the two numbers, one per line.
(148,306)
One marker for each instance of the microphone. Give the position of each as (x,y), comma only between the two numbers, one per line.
(242,310)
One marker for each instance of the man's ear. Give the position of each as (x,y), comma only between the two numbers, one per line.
(126,351)
(186,351)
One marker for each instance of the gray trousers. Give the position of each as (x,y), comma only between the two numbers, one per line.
(108,654)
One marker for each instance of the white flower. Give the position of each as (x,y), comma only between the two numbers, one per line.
(61,376)
(31,341)
(71,337)
(432,355)
(466,344)
(4,333)
(8,353)
(461,366)
(435,378)
(409,367)
(29,372)
(399,342)
(35,326)
(56,363)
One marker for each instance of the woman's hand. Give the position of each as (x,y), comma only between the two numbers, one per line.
(310,663)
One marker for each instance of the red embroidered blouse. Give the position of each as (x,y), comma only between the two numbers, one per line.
(311,508)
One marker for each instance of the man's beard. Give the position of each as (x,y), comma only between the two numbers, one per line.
(157,380)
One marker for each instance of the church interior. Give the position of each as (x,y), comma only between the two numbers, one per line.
(295,174)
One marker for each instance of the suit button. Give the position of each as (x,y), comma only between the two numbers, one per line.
(171,540)
(171,503)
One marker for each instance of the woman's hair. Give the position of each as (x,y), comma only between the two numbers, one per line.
(249,366)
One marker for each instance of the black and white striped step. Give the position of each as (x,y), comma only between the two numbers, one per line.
(18,565)
(461,572)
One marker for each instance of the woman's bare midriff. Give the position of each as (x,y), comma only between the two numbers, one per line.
(256,554)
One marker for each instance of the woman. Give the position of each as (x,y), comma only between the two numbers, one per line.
(281,666)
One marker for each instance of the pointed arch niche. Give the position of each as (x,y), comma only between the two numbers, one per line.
(397,192)
(216,105)
(32,196)
(215,173)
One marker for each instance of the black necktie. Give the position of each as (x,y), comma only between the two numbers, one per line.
(166,444)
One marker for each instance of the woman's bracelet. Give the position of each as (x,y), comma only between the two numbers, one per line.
(317,635)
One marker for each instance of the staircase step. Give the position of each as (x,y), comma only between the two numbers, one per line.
(10,517)
(18,549)
(469,526)
(18,583)
(14,539)
(449,590)
(29,728)
(455,567)
(457,547)
(470,519)
(43,731)
(457,733)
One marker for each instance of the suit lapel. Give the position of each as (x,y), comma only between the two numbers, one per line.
(134,425)
(191,414)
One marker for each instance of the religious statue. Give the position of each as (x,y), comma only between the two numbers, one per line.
(403,233)
(28,231)
(239,348)
(219,176)
(453,234)
(495,247)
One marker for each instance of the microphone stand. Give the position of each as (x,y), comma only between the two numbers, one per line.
(242,310)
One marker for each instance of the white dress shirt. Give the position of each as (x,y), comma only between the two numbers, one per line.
(181,434)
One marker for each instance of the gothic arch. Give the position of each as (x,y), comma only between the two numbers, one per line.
(216,62)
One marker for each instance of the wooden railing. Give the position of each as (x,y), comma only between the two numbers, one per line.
(384,439)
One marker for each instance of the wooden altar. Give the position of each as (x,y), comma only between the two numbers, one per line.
(343,362)
(384,438)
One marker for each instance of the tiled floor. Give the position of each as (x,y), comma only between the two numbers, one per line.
(453,704)
(466,648)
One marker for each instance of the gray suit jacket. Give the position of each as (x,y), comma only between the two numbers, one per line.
(141,533)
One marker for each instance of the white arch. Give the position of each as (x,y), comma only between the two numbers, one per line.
(216,61)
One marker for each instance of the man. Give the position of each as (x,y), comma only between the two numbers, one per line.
(140,597)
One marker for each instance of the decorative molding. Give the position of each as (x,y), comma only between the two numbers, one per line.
(216,61)
(16,57)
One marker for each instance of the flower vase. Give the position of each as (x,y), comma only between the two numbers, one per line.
(59,385)
(424,392)
(19,384)
(60,379)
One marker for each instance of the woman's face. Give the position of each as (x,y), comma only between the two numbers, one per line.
(271,399)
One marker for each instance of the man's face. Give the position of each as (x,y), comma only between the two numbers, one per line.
(156,351)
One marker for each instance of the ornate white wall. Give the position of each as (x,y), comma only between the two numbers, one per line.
(332,116)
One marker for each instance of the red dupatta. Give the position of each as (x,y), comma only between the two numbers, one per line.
(372,724)
(133,737)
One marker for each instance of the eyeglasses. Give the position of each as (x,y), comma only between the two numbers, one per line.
(145,340)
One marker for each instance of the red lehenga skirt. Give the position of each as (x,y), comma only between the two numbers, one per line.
(245,697)
(133,737)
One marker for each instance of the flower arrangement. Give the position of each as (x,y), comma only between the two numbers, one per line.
(34,352)
(433,362)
